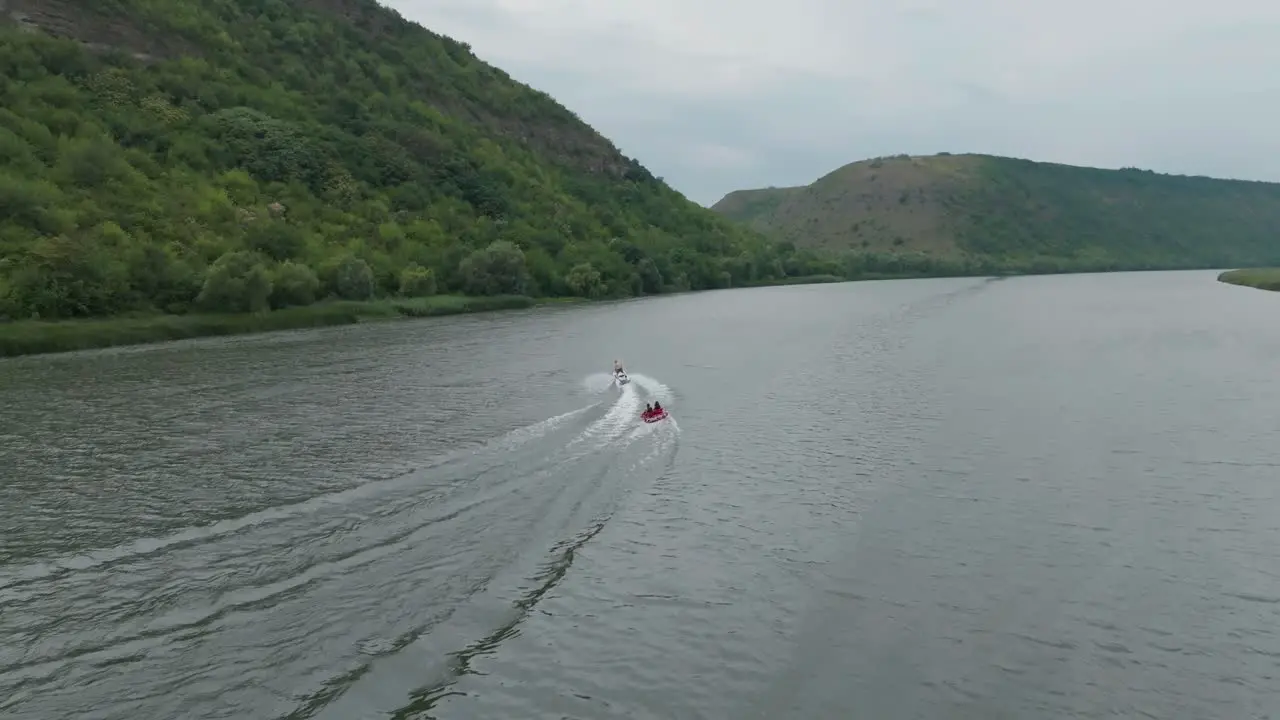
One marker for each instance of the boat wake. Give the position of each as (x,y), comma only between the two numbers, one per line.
(333,605)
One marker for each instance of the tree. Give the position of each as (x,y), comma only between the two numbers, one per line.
(403,171)
(498,269)
(293,284)
(66,276)
(350,278)
(650,277)
(237,282)
(277,239)
(585,281)
(417,281)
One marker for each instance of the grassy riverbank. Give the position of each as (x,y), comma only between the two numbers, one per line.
(31,337)
(1261,278)
(802,280)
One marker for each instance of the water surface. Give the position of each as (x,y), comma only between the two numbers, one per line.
(1032,497)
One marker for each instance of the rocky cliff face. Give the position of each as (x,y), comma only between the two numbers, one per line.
(90,25)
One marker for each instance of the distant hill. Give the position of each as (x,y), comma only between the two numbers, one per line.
(984,213)
(238,154)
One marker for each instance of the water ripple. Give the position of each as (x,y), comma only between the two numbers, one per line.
(1039,497)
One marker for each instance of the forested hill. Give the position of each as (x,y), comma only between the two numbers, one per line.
(986,213)
(231,155)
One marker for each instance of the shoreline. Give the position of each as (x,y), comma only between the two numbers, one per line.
(1258,278)
(36,337)
(39,337)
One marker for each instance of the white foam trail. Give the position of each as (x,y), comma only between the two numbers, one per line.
(149,545)
(653,387)
(527,434)
(598,382)
(616,421)
(641,429)
(665,442)
(666,430)
(625,412)
(662,438)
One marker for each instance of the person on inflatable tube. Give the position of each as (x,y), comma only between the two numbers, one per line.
(652,412)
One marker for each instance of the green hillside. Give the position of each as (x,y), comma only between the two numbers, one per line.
(750,206)
(235,155)
(978,212)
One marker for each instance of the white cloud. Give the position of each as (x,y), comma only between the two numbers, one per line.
(719,157)
(716,95)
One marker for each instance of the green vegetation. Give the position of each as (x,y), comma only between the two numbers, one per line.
(1261,278)
(27,337)
(200,158)
(976,214)
(173,168)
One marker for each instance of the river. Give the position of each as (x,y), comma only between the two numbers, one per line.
(961,498)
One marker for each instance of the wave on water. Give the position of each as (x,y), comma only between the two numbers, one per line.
(654,388)
(282,611)
(597,383)
(144,546)
(423,671)
(622,415)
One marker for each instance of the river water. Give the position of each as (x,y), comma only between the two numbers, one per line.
(962,498)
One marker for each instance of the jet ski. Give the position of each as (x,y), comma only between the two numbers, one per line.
(621,377)
(653,416)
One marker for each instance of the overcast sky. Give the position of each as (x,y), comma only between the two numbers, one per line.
(718,95)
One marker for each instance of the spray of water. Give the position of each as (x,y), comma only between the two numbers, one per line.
(653,388)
